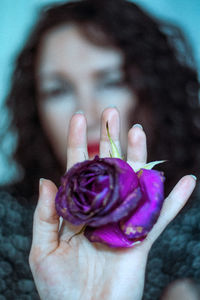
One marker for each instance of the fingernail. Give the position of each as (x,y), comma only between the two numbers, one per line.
(79,112)
(112,106)
(194,177)
(41,180)
(138,125)
(40,185)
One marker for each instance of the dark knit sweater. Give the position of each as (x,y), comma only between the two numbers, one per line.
(176,254)
(16,281)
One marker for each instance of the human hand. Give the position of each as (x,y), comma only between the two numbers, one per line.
(84,270)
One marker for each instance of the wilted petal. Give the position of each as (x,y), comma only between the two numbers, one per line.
(86,194)
(126,177)
(110,203)
(62,208)
(100,183)
(110,235)
(123,210)
(100,199)
(143,219)
(82,207)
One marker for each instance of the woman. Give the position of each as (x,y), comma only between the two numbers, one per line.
(140,72)
(158,79)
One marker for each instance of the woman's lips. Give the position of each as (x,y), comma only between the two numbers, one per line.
(93,149)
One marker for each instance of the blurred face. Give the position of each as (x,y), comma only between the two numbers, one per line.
(74,74)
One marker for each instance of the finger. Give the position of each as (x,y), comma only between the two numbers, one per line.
(76,152)
(77,140)
(110,115)
(172,205)
(46,221)
(137,148)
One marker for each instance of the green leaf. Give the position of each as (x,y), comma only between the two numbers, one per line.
(152,164)
(115,153)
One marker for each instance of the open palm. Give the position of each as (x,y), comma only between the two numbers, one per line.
(79,269)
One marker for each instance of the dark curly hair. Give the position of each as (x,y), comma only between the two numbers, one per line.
(156,68)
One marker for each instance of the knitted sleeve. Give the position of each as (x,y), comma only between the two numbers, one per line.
(16,280)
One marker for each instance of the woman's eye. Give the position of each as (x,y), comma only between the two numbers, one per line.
(112,84)
(56,92)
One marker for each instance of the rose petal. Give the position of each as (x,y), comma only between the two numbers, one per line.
(127,178)
(81,206)
(110,235)
(88,195)
(123,210)
(99,199)
(100,183)
(143,219)
(62,208)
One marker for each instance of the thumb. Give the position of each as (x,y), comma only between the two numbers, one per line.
(46,221)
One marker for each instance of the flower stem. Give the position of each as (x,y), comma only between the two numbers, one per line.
(115,152)
(79,232)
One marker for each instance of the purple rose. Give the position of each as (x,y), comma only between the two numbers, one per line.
(118,205)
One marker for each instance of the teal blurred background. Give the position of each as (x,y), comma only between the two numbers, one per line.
(16,19)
